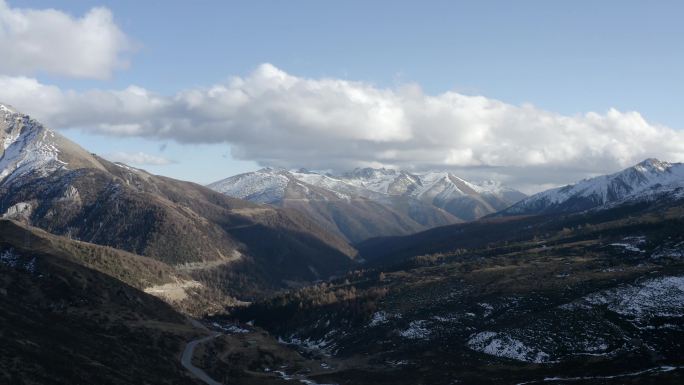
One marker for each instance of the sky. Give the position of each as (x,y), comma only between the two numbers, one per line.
(532,93)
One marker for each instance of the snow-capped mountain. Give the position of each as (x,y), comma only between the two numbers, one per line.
(646,180)
(351,211)
(50,182)
(445,190)
(415,201)
(28,147)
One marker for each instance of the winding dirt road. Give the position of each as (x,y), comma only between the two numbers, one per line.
(186,360)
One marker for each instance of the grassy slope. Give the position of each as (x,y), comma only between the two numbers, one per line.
(63,322)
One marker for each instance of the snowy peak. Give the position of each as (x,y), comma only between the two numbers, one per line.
(263,186)
(369,173)
(7,109)
(438,190)
(642,181)
(11,125)
(652,165)
(27,147)
(422,184)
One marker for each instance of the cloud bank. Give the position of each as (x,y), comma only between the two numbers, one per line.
(279,119)
(137,158)
(51,41)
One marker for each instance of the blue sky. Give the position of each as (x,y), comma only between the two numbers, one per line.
(565,58)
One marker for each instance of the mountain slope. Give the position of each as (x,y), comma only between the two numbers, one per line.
(489,231)
(592,297)
(343,209)
(52,183)
(175,286)
(62,322)
(642,181)
(367,203)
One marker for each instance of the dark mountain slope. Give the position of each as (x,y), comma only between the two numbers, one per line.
(509,228)
(591,299)
(64,323)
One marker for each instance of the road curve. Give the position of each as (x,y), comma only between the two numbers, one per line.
(186,360)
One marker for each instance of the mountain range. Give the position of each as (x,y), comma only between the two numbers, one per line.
(112,275)
(50,182)
(650,183)
(366,203)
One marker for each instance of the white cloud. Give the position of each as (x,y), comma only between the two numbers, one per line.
(283,120)
(51,41)
(137,158)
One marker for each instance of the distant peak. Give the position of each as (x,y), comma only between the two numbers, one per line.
(6,108)
(271,170)
(369,172)
(650,161)
(652,164)
(12,119)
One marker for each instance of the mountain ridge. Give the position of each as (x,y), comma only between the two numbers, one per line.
(414,202)
(649,177)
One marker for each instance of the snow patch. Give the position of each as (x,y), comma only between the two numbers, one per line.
(502,345)
(381,318)
(487,308)
(669,251)
(417,330)
(230,328)
(11,258)
(640,302)
(318,345)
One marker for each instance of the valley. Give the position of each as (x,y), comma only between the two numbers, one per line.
(341,193)
(110,274)
(573,304)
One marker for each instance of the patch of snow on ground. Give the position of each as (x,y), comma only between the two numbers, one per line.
(658,297)
(502,345)
(379,318)
(296,377)
(417,330)
(9,257)
(446,319)
(230,328)
(631,244)
(322,345)
(674,251)
(627,247)
(658,369)
(488,309)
